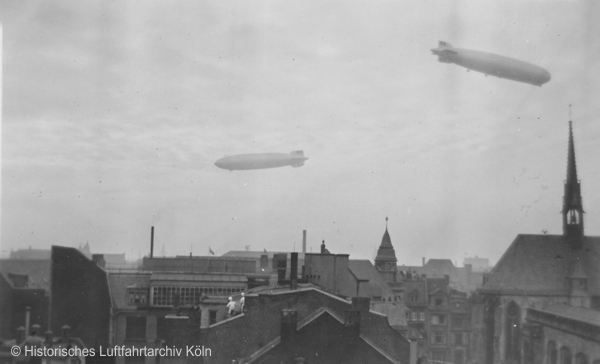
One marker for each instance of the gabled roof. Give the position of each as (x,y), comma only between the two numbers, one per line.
(365,270)
(539,264)
(304,329)
(37,270)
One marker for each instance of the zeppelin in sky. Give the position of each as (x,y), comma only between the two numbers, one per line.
(262,160)
(492,64)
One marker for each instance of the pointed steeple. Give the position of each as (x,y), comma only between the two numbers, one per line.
(571,164)
(572,210)
(385,261)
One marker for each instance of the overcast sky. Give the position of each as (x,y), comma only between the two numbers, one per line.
(115,112)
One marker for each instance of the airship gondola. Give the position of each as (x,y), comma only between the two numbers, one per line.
(261,161)
(492,64)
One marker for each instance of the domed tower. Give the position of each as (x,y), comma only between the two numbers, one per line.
(385,261)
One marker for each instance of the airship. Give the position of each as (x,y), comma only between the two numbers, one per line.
(492,64)
(261,161)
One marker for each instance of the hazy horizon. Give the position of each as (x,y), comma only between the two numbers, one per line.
(113,115)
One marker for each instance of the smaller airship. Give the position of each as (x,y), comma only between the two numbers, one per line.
(242,162)
(492,64)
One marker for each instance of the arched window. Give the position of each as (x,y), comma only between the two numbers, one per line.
(551,353)
(513,332)
(414,296)
(580,358)
(565,355)
(573,217)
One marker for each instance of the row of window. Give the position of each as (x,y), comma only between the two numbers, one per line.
(170,296)
(565,355)
(415,316)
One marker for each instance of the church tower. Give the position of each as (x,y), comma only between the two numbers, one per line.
(385,261)
(572,211)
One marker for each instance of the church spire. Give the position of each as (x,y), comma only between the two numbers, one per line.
(572,203)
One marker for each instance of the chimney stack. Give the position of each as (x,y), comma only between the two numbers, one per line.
(27,318)
(303,241)
(289,320)
(352,324)
(66,334)
(423,261)
(362,304)
(152,242)
(294,271)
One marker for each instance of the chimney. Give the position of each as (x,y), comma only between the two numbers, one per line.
(49,338)
(21,334)
(27,318)
(352,324)
(362,304)
(35,329)
(66,333)
(423,261)
(289,320)
(303,241)
(294,271)
(152,242)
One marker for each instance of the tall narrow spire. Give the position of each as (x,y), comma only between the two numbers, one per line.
(571,164)
(572,203)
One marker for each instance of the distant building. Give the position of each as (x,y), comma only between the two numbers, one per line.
(438,319)
(478,264)
(463,279)
(542,299)
(30,254)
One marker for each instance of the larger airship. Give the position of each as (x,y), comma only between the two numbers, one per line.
(492,64)
(262,161)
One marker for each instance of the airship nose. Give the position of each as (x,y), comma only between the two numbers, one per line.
(546,76)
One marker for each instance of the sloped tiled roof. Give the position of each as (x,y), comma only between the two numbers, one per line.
(386,250)
(365,270)
(575,313)
(439,267)
(37,270)
(539,264)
